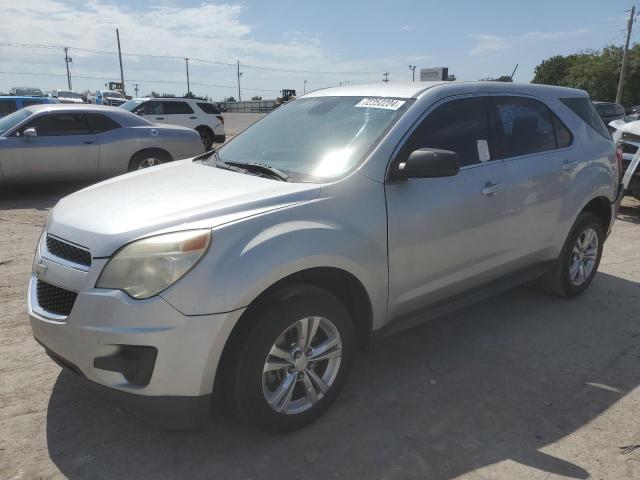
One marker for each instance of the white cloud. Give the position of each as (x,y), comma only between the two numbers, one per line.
(213,32)
(407,28)
(493,43)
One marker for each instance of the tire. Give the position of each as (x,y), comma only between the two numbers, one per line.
(280,322)
(564,281)
(206,137)
(148,158)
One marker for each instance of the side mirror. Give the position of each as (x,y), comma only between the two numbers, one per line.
(429,163)
(29,133)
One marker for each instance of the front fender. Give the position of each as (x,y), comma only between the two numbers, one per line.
(248,256)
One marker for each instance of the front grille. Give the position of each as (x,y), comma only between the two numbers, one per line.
(628,148)
(54,299)
(68,251)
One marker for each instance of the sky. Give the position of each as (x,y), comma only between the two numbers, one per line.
(282,43)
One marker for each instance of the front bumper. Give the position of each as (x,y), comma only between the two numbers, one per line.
(104,323)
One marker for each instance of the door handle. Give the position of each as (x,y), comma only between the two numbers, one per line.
(159,118)
(88,142)
(568,166)
(490,188)
(193,118)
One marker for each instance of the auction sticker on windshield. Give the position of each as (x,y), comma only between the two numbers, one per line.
(386,103)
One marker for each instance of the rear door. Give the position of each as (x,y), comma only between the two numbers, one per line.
(446,235)
(179,113)
(65,149)
(539,157)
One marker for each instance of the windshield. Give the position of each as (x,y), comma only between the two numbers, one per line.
(112,94)
(69,95)
(316,139)
(131,104)
(10,121)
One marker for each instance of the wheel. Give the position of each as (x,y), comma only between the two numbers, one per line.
(206,136)
(580,256)
(147,159)
(295,360)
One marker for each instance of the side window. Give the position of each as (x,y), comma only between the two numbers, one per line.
(208,108)
(526,126)
(584,109)
(101,123)
(177,108)
(7,106)
(152,108)
(49,125)
(459,125)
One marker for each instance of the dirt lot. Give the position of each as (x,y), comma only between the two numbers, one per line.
(520,386)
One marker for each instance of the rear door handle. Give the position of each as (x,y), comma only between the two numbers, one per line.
(193,118)
(490,188)
(159,118)
(88,142)
(567,166)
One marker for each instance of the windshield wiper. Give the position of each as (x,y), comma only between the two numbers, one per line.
(258,168)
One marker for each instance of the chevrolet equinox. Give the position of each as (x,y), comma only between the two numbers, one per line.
(257,271)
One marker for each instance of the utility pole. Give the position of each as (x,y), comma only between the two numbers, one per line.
(136,89)
(413,72)
(386,77)
(186,61)
(120,59)
(239,75)
(67,59)
(304,87)
(624,55)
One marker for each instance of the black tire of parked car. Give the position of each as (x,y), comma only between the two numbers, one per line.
(145,156)
(559,281)
(245,376)
(206,136)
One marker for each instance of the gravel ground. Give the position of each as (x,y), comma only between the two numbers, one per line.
(523,385)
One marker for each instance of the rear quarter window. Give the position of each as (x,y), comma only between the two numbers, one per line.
(584,109)
(208,108)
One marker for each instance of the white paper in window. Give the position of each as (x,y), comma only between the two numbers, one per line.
(483,151)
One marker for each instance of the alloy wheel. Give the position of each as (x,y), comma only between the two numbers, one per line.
(302,365)
(583,257)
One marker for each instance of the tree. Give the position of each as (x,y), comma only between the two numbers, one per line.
(256,98)
(502,78)
(451,78)
(230,99)
(596,71)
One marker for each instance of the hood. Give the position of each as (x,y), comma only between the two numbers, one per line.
(175,196)
(620,127)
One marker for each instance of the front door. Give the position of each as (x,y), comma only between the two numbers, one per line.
(446,235)
(64,149)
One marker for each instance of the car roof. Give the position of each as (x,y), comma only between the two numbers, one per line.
(416,89)
(174,99)
(20,97)
(125,117)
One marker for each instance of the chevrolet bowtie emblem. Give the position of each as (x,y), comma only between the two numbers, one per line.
(40,269)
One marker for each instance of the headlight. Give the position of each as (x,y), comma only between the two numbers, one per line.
(146,267)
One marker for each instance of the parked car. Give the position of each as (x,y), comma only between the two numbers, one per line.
(45,143)
(26,92)
(627,137)
(11,103)
(609,111)
(107,97)
(257,271)
(200,115)
(632,113)
(66,96)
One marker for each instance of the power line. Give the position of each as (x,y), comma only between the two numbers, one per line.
(172,57)
(170,82)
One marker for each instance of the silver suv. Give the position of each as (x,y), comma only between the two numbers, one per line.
(256,272)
